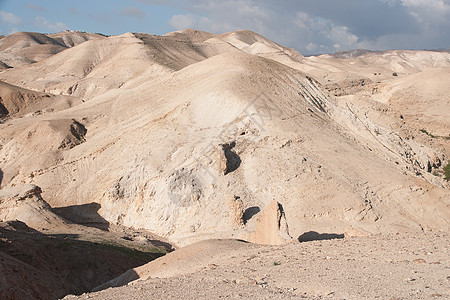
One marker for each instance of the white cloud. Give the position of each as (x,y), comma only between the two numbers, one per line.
(229,15)
(342,35)
(437,5)
(429,8)
(10,18)
(311,34)
(324,25)
(47,25)
(333,37)
(429,4)
(180,22)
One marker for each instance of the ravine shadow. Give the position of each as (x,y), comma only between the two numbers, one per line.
(84,214)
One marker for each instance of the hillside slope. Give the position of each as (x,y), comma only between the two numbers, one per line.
(23,48)
(197,136)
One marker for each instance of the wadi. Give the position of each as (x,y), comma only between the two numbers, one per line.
(258,170)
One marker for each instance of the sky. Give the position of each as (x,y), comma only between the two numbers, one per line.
(310,26)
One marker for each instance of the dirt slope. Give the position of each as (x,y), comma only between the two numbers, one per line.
(17,102)
(49,266)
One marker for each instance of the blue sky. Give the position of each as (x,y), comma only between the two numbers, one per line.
(105,16)
(310,26)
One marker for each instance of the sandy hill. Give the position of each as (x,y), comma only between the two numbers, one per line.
(49,266)
(16,101)
(85,71)
(208,132)
(376,66)
(74,38)
(22,48)
(196,136)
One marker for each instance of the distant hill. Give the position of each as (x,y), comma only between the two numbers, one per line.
(22,48)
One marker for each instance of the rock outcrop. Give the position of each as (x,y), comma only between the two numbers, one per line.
(237,211)
(25,203)
(227,159)
(271,226)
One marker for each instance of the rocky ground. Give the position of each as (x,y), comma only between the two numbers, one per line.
(383,267)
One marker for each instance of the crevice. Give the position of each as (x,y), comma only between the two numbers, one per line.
(228,160)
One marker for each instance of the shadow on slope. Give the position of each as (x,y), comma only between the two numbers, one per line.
(315,236)
(59,263)
(250,212)
(84,214)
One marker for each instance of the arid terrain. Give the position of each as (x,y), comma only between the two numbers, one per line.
(271,174)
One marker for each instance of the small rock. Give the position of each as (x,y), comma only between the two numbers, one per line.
(419,261)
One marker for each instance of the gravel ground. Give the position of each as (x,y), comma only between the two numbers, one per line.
(383,267)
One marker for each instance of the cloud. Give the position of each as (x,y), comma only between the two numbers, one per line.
(332,37)
(133,12)
(180,22)
(222,16)
(47,25)
(34,7)
(10,18)
(324,25)
(428,11)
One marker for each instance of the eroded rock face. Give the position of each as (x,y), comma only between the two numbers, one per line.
(19,193)
(75,136)
(184,188)
(24,203)
(237,211)
(36,265)
(3,110)
(271,226)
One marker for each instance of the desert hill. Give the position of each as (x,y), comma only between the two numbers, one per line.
(22,48)
(16,101)
(196,136)
(290,142)
(85,71)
